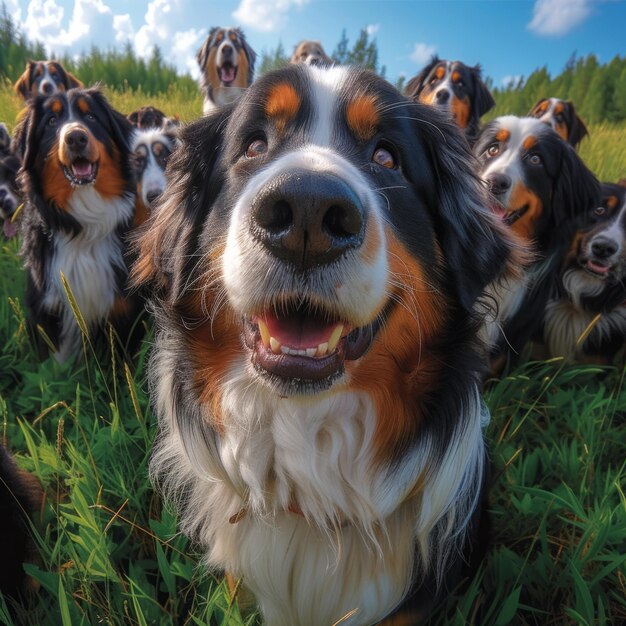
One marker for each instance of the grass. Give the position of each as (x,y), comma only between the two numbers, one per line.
(110,553)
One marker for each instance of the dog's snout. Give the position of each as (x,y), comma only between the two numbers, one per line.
(76,139)
(227,52)
(603,247)
(499,183)
(308,219)
(442,96)
(47,88)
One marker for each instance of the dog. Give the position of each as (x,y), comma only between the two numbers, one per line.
(44,78)
(20,494)
(592,285)
(562,116)
(151,148)
(539,185)
(148,117)
(226,63)
(311,53)
(10,198)
(80,196)
(314,266)
(456,88)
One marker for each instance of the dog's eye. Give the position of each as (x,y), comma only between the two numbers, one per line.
(535,159)
(256,148)
(90,117)
(383,157)
(599,211)
(53,121)
(493,150)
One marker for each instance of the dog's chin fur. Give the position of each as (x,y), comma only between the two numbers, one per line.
(358,528)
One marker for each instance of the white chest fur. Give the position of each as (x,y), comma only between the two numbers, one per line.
(89,262)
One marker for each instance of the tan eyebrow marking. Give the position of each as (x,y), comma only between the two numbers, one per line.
(503,135)
(362,116)
(283,103)
(529,142)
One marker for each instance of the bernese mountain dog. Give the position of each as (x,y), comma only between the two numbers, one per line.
(587,321)
(151,117)
(562,116)
(10,197)
(538,185)
(310,53)
(151,148)
(80,197)
(44,78)
(20,494)
(314,268)
(456,88)
(226,63)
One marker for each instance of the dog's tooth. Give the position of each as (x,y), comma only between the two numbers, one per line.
(265,333)
(275,345)
(322,349)
(311,351)
(285,350)
(334,338)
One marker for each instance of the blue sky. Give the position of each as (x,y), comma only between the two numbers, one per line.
(509,38)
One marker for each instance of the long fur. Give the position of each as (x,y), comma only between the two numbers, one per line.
(299,487)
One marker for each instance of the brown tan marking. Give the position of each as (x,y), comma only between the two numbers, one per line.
(529,143)
(56,106)
(521,196)
(503,135)
(362,117)
(282,105)
(440,72)
(611,202)
(56,188)
(83,105)
(461,110)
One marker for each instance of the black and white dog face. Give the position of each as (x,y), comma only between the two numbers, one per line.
(562,117)
(44,78)
(9,192)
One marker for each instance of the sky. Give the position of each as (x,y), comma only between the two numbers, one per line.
(509,38)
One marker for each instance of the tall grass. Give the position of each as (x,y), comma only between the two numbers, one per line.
(108,552)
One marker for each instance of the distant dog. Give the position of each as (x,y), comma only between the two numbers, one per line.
(539,185)
(151,117)
(226,66)
(592,284)
(316,362)
(310,53)
(151,149)
(80,197)
(562,116)
(10,197)
(453,87)
(44,78)
(20,493)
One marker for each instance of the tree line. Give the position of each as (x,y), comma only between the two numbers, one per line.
(598,90)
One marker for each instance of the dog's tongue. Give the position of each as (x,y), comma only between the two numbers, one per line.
(597,267)
(300,331)
(498,210)
(10,228)
(82,168)
(228,74)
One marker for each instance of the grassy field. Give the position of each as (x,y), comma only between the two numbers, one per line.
(110,553)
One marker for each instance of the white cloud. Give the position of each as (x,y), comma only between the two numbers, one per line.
(511,80)
(184,48)
(559,17)
(372,29)
(422,53)
(123,26)
(266,16)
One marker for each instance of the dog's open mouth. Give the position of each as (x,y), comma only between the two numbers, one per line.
(81,171)
(228,73)
(596,268)
(508,217)
(298,343)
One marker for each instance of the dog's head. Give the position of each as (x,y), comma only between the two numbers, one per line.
(562,116)
(226,63)
(74,140)
(595,265)
(151,149)
(537,180)
(9,191)
(44,78)
(310,53)
(454,87)
(147,117)
(325,231)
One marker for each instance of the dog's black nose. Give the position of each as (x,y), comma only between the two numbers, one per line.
(76,139)
(499,183)
(151,196)
(227,52)
(442,96)
(308,218)
(47,88)
(603,248)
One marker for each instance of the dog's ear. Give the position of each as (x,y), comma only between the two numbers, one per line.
(25,136)
(477,247)
(22,85)
(73,82)
(576,190)
(416,84)
(133,118)
(483,100)
(250,54)
(193,182)
(577,129)
(203,53)
(534,112)
(119,126)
